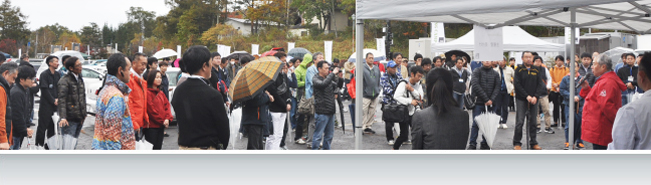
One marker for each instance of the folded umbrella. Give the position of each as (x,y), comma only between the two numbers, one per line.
(488,123)
(254,78)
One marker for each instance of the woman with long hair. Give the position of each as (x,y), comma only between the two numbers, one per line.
(442,125)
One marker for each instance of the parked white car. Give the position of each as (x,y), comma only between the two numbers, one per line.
(59,54)
(93,80)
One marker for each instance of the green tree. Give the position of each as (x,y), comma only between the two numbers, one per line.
(311,9)
(187,19)
(13,24)
(46,37)
(90,35)
(108,35)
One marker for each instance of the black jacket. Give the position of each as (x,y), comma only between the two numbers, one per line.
(201,115)
(49,91)
(485,84)
(165,86)
(255,111)
(459,86)
(72,98)
(20,110)
(324,93)
(32,90)
(215,83)
(280,100)
(528,82)
(626,71)
(449,131)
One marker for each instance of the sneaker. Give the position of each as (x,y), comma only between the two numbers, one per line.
(539,131)
(580,146)
(503,126)
(408,142)
(166,135)
(549,131)
(368,131)
(536,147)
(567,146)
(338,126)
(554,125)
(284,148)
(517,147)
(391,142)
(300,141)
(471,147)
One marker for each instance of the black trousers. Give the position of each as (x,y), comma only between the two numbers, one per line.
(155,136)
(599,147)
(282,142)
(45,123)
(501,108)
(530,112)
(255,137)
(559,109)
(404,133)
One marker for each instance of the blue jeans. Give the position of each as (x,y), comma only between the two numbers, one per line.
(292,113)
(325,129)
(474,132)
(18,141)
(577,124)
(70,134)
(458,98)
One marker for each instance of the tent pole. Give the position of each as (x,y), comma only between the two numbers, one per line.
(359,80)
(572,73)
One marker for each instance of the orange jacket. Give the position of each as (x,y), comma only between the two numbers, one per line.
(138,101)
(557,75)
(3,113)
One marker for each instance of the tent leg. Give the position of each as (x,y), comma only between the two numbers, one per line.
(359,80)
(572,85)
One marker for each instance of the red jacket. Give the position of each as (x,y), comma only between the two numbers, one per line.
(158,109)
(138,101)
(601,104)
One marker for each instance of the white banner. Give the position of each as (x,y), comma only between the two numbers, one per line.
(327,48)
(290,46)
(140,49)
(438,32)
(178,50)
(254,49)
(381,46)
(568,35)
(488,44)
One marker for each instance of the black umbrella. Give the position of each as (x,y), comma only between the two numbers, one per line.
(458,53)
(341,114)
(298,52)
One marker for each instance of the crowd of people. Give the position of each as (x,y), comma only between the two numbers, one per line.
(429,99)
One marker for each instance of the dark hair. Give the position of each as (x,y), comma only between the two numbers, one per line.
(246,59)
(416,70)
(645,65)
(136,56)
(182,66)
(538,58)
(535,53)
(437,58)
(8,66)
(585,54)
(369,53)
(640,55)
(458,59)
(150,61)
(280,54)
(559,57)
(417,56)
(512,58)
(320,64)
(2,58)
(524,52)
(49,59)
(630,54)
(293,60)
(70,63)
(426,61)
(64,58)
(151,76)
(396,55)
(25,72)
(214,54)
(624,55)
(195,57)
(163,63)
(439,88)
(114,62)
(24,56)
(335,61)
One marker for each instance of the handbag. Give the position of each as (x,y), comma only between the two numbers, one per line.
(395,112)
(469,100)
(306,106)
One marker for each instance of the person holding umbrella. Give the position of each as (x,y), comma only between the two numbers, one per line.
(72,103)
(20,109)
(485,84)
(202,119)
(529,87)
(48,102)
(255,113)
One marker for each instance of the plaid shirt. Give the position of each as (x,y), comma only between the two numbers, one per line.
(387,88)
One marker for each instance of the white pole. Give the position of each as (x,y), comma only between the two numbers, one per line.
(359,80)
(178,51)
(572,85)
(20,52)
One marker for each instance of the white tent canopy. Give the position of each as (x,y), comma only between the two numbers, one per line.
(514,39)
(603,14)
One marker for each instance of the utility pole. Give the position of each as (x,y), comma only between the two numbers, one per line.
(388,41)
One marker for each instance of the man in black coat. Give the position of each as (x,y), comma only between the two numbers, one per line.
(20,111)
(485,84)
(200,110)
(529,87)
(325,88)
(216,80)
(31,90)
(48,105)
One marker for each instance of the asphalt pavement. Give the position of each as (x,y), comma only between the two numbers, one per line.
(341,141)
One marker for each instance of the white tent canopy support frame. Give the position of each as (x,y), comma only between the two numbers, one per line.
(603,14)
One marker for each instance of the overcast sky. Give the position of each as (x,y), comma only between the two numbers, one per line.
(76,14)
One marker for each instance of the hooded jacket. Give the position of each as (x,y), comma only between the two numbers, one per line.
(601,104)
(301,71)
(113,126)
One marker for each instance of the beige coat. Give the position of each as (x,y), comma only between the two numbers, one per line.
(509,73)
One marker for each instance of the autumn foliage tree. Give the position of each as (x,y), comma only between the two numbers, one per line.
(9,46)
(221,34)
